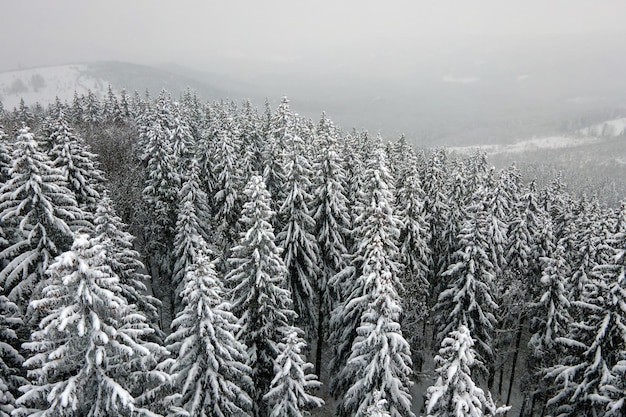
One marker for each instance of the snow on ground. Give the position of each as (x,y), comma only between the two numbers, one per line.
(44,84)
(534,144)
(610,128)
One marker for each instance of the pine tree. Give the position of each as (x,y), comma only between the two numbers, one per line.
(10,360)
(260,299)
(332,228)
(44,213)
(589,376)
(125,262)
(380,359)
(71,155)
(81,353)
(376,256)
(416,258)
(455,394)
(209,368)
(468,299)
(289,392)
(300,248)
(191,236)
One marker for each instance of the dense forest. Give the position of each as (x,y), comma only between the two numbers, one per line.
(166,257)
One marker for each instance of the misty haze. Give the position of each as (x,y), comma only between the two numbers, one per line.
(281,208)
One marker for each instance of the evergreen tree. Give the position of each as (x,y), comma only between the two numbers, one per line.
(455,394)
(289,392)
(10,360)
(209,368)
(80,356)
(82,175)
(589,376)
(416,258)
(124,261)
(380,360)
(44,213)
(376,256)
(260,299)
(468,299)
(332,227)
(300,248)
(191,236)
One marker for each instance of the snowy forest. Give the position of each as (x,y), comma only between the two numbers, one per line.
(164,256)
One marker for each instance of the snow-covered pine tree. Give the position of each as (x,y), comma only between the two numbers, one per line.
(192,235)
(289,394)
(92,110)
(44,215)
(79,166)
(332,227)
(259,296)
(5,157)
(280,132)
(10,360)
(229,175)
(590,375)
(378,408)
(81,353)
(376,255)
(160,195)
(416,258)
(183,142)
(380,359)
(209,371)
(125,262)
(299,246)
(468,300)
(455,394)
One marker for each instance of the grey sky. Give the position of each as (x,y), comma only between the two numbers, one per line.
(203,33)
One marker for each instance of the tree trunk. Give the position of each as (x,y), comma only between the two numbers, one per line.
(320,339)
(518,341)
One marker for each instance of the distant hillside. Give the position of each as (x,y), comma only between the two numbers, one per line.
(45,83)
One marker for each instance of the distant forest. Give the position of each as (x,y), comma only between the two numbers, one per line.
(166,257)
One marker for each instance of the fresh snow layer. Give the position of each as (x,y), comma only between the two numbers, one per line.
(610,128)
(44,84)
(534,144)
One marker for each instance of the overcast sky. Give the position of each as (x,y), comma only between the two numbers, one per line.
(200,33)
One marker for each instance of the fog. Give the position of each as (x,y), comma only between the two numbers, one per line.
(442,72)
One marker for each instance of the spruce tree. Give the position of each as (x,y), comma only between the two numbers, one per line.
(259,294)
(289,393)
(376,256)
(332,228)
(468,300)
(380,359)
(71,155)
(455,394)
(124,261)
(296,239)
(43,212)
(209,370)
(10,360)
(86,343)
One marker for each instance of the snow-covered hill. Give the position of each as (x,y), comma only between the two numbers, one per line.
(44,84)
(530,145)
(610,128)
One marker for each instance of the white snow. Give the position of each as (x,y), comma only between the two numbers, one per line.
(44,84)
(610,128)
(547,142)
